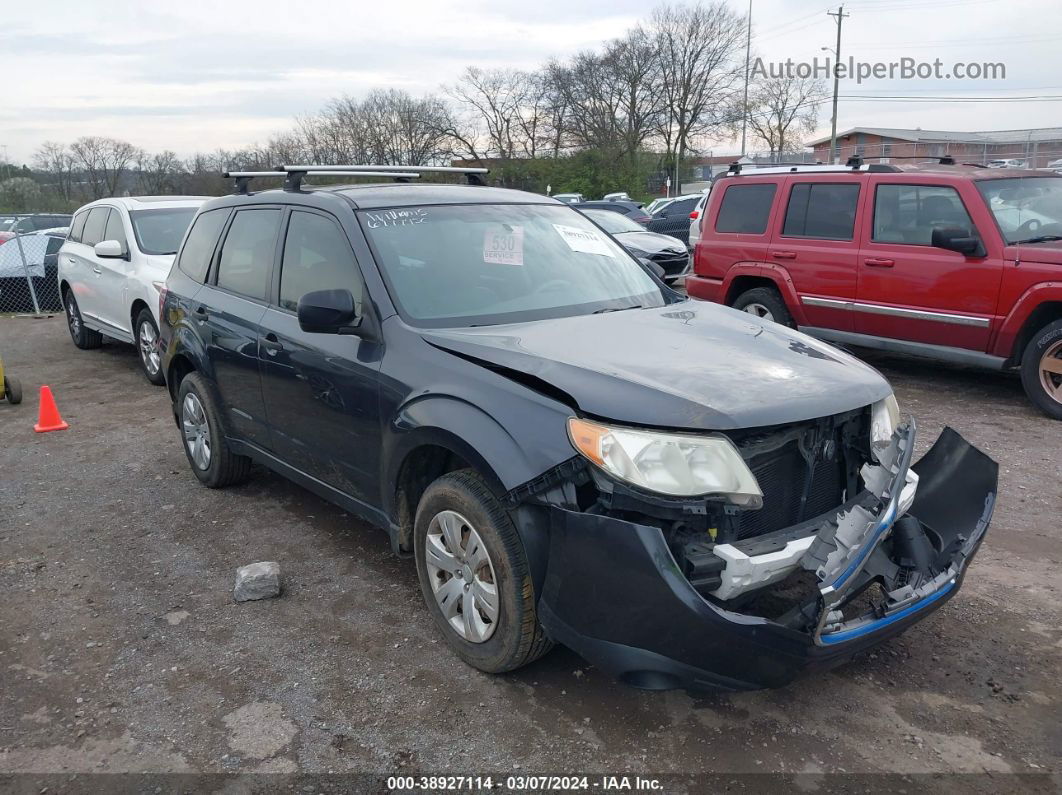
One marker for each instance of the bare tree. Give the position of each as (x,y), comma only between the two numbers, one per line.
(783,109)
(104,162)
(158,174)
(495,97)
(697,49)
(55,160)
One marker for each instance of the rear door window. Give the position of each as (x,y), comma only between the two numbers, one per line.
(95,225)
(824,210)
(198,250)
(910,213)
(246,261)
(745,209)
(78,226)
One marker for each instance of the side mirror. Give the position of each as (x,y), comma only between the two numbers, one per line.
(653,267)
(956,238)
(328,312)
(109,249)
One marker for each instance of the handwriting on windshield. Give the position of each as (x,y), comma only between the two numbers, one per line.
(408,217)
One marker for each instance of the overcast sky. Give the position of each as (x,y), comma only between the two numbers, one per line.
(189,75)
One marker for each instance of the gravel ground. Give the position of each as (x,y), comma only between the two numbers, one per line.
(121,649)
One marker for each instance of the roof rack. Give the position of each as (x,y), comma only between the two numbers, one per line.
(293,177)
(853,164)
(473,175)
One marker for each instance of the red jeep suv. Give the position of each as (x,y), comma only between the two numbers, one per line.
(959,263)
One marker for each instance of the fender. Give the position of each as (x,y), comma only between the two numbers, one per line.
(775,273)
(184,342)
(1010,329)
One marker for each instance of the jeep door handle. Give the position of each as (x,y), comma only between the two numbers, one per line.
(783,254)
(875,262)
(271,344)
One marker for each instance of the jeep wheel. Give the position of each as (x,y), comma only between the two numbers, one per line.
(204,442)
(474,575)
(765,303)
(1041,369)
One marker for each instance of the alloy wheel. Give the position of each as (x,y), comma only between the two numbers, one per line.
(73,318)
(1051,371)
(147,341)
(196,430)
(759,310)
(462,576)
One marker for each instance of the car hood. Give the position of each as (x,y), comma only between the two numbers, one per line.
(1048,252)
(691,365)
(159,262)
(650,242)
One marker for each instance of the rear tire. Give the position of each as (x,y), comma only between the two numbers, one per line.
(764,303)
(146,335)
(203,438)
(1041,370)
(513,637)
(83,337)
(13,391)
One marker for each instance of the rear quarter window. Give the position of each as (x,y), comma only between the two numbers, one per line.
(745,209)
(198,249)
(78,226)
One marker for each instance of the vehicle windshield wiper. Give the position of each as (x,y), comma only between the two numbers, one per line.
(1040,239)
(615,309)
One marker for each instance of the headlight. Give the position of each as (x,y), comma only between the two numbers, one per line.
(668,463)
(884,417)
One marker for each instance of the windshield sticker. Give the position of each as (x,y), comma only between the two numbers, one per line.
(584,240)
(504,245)
(396,218)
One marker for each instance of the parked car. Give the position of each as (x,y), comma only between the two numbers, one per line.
(957,263)
(1006,163)
(695,220)
(674,219)
(611,197)
(656,205)
(672,257)
(568,198)
(632,210)
(33,255)
(112,266)
(686,495)
(35,222)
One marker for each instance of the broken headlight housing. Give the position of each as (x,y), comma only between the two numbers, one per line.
(679,465)
(884,418)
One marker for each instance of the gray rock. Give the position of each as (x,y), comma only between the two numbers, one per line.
(257,581)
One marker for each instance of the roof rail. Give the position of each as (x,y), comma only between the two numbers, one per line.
(853,164)
(473,175)
(293,177)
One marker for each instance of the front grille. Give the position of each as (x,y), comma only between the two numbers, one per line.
(673,263)
(782,475)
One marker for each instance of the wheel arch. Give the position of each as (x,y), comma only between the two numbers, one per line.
(1044,314)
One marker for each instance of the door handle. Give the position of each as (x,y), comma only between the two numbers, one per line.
(876,262)
(271,344)
(783,254)
(96,269)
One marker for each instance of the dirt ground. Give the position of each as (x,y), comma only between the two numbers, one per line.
(121,649)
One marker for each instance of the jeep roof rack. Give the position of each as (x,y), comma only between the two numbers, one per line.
(473,175)
(293,178)
(736,169)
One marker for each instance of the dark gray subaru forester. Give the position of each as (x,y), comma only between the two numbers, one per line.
(682,493)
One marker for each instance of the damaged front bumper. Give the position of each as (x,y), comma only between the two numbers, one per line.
(614,592)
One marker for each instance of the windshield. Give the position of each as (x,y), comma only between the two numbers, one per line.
(1025,208)
(6,224)
(161,231)
(477,265)
(613,223)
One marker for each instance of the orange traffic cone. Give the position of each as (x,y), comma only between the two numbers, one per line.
(48,418)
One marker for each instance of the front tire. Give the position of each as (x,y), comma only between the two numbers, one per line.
(13,391)
(764,303)
(146,334)
(83,337)
(204,443)
(474,575)
(1041,369)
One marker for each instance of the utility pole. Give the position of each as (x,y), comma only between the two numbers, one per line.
(840,15)
(745,106)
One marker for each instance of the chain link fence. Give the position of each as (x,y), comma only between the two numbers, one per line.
(28,272)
